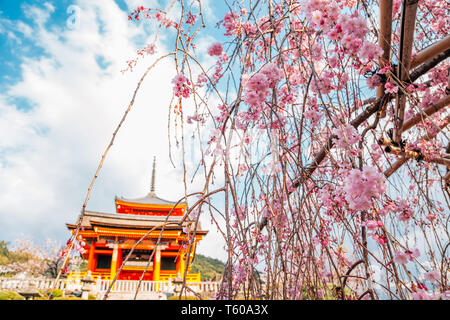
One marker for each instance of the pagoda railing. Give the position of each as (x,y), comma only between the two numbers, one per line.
(164,276)
(156,286)
(101,285)
(7,283)
(74,275)
(131,286)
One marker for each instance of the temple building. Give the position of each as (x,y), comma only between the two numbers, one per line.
(109,237)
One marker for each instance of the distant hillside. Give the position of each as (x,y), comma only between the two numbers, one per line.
(208,267)
(7,256)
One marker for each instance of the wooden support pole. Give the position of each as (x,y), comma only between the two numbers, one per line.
(384,40)
(411,154)
(407,37)
(447,176)
(400,162)
(441,160)
(444,102)
(398,151)
(447,150)
(428,65)
(384,37)
(431,51)
(397,164)
(447,90)
(447,179)
(406,41)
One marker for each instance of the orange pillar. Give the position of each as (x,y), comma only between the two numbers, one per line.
(192,256)
(157,264)
(181,265)
(119,261)
(114,261)
(91,261)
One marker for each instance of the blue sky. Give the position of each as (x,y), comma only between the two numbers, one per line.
(15,45)
(61,96)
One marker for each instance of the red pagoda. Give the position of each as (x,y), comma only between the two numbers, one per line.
(109,238)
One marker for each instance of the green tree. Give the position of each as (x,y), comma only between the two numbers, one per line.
(4,253)
(208,267)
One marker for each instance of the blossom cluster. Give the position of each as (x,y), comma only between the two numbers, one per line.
(216,49)
(361,186)
(182,86)
(403,257)
(347,136)
(349,30)
(257,87)
(159,16)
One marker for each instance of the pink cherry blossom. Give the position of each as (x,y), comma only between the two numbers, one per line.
(360,187)
(445,295)
(423,295)
(374,81)
(370,51)
(401,257)
(186,229)
(216,49)
(242,168)
(372,225)
(413,254)
(181,88)
(432,276)
(346,136)
(150,49)
(258,85)
(391,88)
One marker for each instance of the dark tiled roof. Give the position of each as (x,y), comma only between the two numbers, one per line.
(92,218)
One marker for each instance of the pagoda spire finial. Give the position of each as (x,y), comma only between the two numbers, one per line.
(152,189)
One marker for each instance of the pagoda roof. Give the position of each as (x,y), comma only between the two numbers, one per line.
(93,218)
(150,198)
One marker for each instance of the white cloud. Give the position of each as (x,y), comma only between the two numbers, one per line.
(48,155)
